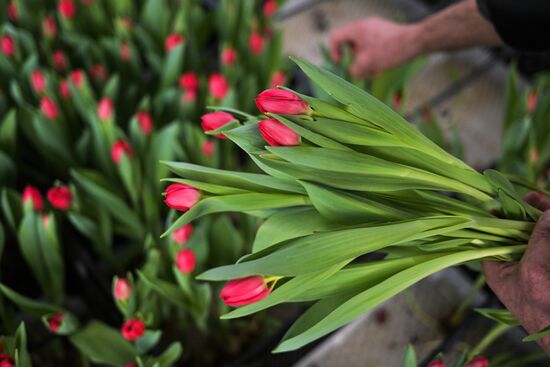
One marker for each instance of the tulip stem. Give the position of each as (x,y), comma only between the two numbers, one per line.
(490,337)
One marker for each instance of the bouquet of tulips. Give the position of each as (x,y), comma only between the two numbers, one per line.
(346,177)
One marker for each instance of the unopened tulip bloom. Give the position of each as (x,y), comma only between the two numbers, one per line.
(6,360)
(228,56)
(125,52)
(188,96)
(64,89)
(48,108)
(277,134)
(99,72)
(218,86)
(281,102)
(397,100)
(278,78)
(531,101)
(129,364)
(49,28)
(182,234)
(105,109)
(208,148)
(478,361)
(256,43)
(31,194)
(270,7)
(181,197)
(12,11)
(67,9)
(122,289)
(38,81)
(240,292)
(8,45)
(145,122)
(55,321)
(189,81)
(60,197)
(185,260)
(436,363)
(120,148)
(133,329)
(215,120)
(77,77)
(172,41)
(59,60)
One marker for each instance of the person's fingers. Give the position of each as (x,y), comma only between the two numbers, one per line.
(538,200)
(538,250)
(337,38)
(360,65)
(501,278)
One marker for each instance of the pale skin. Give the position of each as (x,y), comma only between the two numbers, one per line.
(378,45)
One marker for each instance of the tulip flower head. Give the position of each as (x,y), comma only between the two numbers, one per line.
(397,100)
(59,60)
(478,361)
(145,122)
(269,8)
(228,56)
(189,81)
(208,148)
(55,321)
(218,86)
(119,149)
(181,197)
(105,109)
(436,363)
(6,360)
(122,289)
(77,78)
(12,11)
(64,90)
(99,72)
(278,79)
(256,43)
(531,101)
(133,329)
(32,195)
(38,81)
(182,234)
(281,102)
(8,45)
(129,364)
(60,197)
(189,96)
(172,41)
(124,52)
(48,108)
(215,120)
(240,292)
(277,134)
(67,9)
(49,28)
(185,260)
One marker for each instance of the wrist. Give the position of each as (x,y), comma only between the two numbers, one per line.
(414,35)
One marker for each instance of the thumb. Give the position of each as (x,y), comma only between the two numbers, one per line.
(538,250)
(359,67)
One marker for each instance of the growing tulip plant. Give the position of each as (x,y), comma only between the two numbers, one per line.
(93,94)
(345,177)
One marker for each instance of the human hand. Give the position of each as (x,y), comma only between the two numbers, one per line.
(377,44)
(524,286)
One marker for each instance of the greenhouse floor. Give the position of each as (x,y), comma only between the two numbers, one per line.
(465,88)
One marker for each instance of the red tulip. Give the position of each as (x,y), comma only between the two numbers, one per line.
(534,156)
(77,77)
(105,109)
(256,43)
(277,134)
(64,89)
(281,102)
(145,122)
(240,292)
(99,72)
(215,120)
(48,108)
(278,79)
(120,148)
(122,289)
(188,97)
(8,46)
(182,235)
(218,85)
(478,361)
(6,360)
(436,363)
(189,81)
(181,197)
(270,7)
(125,52)
(208,148)
(60,197)
(397,100)
(67,9)
(87,2)
(172,41)
(133,329)
(45,222)
(129,364)
(59,60)
(31,193)
(12,11)
(49,28)
(228,56)
(55,321)
(531,101)
(38,81)
(185,260)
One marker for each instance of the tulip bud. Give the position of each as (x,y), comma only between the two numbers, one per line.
(397,100)
(534,156)
(125,52)
(77,77)
(12,11)
(38,81)
(45,223)
(228,56)
(436,363)
(281,102)
(129,364)
(105,109)
(145,122)
(278,79)
(172,41)
(31,194)
(8,46)
(218,86)
(64,89)
(120,148)
(208,148)
(67,9)
(531,101)
(189,81)
(49,28)
(256,43)
(240,292)
(270,7)
(99,72)
(60,197)
(182,235)
(478,361)
(188,97)
(55,321)
(215,120)
(181,197)
(133,329)
(48,108)
(59,60)
(277,134)
(87,2)
(122,289)
(6,360)
(185,260)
